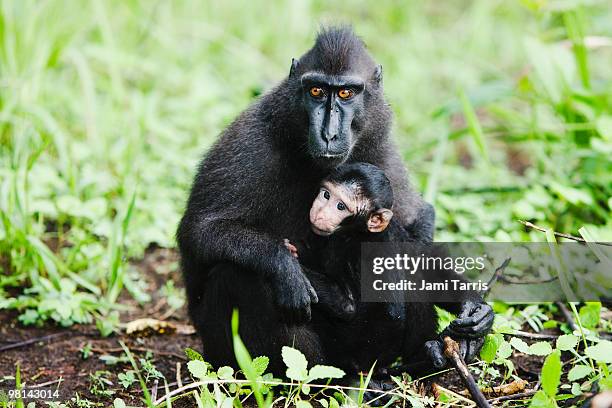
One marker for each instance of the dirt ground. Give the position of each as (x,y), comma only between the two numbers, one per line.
(54,360)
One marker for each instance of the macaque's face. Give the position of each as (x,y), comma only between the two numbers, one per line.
(332,205)
(336,202)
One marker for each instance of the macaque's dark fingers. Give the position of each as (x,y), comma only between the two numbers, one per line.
(474,347)
(481,327)
(477,330)
(463,348)
(477,314)
(434,351)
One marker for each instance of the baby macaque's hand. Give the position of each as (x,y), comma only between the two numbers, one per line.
(291,248)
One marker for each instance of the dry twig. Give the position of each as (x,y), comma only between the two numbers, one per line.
(559,234)
(451,351)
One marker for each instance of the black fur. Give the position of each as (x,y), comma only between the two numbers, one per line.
(254,188)
(345,323)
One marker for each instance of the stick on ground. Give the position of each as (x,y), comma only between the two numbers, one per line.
(451,351)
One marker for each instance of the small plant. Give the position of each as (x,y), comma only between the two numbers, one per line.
(127,378)
(99,383)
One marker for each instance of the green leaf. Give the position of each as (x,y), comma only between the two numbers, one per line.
(567,342)
(541,400)
(302,404)
(260,364)
(225,373)
(490,347)
(323,402)
(540,348)
(198,369)
(244,360)
(505,350)
(118,403)
(604,127)
(590,314)
(579,371)
(296,363)
(551,373)
(520,345)
(576,389)
(193,355)
(474,125)
(322,372)
(601,352)
(333,403)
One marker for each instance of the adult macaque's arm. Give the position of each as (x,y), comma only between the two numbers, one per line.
(212,240)
(417,216)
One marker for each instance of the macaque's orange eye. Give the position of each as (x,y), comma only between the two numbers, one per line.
(316,92)
(345,93)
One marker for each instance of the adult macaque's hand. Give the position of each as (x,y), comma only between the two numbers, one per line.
(469,330)
(292,290)
(475,321)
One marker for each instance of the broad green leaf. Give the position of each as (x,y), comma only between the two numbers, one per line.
(490,347)
(567,342)
(579,371)
(302,404)
(576,389)
(520,345)
(260,364)
(296,363)
(322,372)
(540,348)
(198,369)
(193,355)
(119,403)
(590,314)
(228,402)
(551,373)
(541,400)
(225,372)
(505,350)
(601,352)
(333,403)
(323,402)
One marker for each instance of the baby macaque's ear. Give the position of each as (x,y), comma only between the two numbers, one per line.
(379,220)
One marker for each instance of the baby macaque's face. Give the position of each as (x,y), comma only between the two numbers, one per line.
(332,205)
(335,202)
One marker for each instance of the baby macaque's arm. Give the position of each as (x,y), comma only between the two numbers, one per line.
(292,248)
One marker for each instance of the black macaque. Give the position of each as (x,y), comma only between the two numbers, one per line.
(254,188)
(354,199)
(354,205)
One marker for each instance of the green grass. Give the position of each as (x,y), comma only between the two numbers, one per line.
(503,112)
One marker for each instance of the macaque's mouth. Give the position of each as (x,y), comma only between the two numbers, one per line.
(320,231)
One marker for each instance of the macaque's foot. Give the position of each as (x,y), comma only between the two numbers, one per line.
(291,248)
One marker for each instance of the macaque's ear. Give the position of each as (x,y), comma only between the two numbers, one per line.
(378,74)
(379,220)
(294,66)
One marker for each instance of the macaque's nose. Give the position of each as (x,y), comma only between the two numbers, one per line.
(330,130)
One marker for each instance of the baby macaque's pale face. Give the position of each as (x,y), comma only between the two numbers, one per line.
(331,206)
(335,202)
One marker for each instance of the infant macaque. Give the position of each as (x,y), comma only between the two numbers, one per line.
(353,203)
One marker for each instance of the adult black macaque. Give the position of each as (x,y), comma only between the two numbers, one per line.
(255,186)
